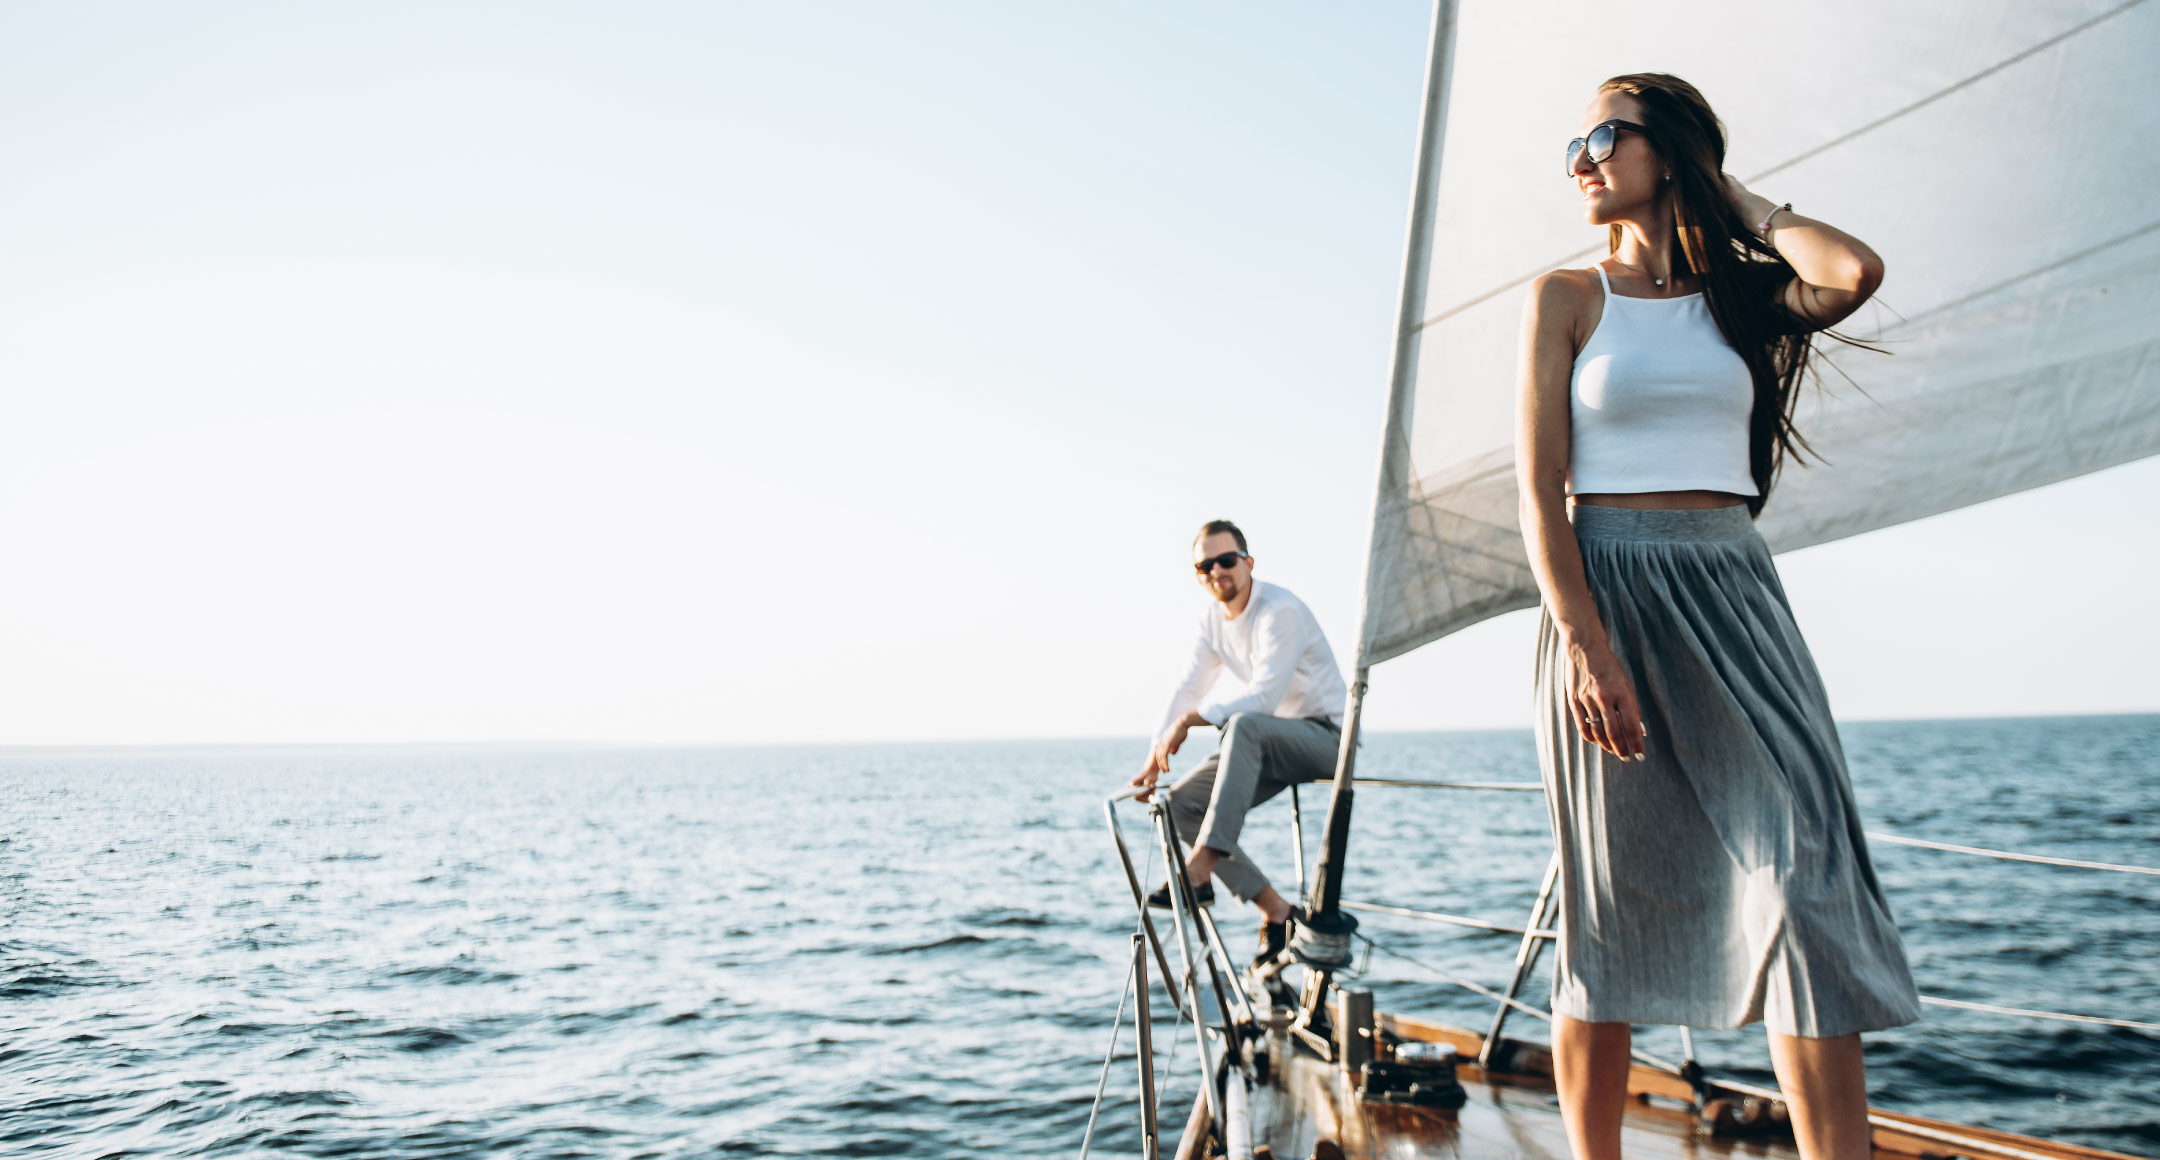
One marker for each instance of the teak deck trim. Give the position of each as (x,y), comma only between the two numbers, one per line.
(1330,1110)
(1895,1133)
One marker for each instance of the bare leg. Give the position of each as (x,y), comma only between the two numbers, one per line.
(1825,1083)
(1590,1067)
(1200,866)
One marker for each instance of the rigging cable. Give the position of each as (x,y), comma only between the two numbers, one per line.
(1102,1085)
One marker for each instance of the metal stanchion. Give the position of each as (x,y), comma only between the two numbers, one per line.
(1297,838)
(1150,1141)
(1525,961)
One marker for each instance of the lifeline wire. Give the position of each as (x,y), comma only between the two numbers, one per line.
(1497,997)
(2029,1014)
(1466,984)
(1931,1000)
(2042,859)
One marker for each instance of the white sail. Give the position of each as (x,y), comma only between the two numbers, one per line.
(2002,155)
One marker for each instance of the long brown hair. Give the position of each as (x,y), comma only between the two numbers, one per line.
(1742,277)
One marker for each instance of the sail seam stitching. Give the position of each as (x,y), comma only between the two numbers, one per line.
(1871,126)
(2035,272)
(1931,98)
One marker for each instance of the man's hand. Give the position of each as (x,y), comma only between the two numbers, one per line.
(1158,760)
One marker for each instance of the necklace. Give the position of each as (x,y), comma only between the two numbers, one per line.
(1644,272)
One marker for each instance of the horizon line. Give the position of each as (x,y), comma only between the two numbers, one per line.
(1135,738)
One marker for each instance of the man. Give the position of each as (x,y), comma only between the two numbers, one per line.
(1281,728)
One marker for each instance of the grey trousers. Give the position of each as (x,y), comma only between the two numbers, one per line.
(1261,756)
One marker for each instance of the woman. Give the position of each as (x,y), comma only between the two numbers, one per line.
(1713,871)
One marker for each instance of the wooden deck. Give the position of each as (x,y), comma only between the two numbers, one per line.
(1513,1116)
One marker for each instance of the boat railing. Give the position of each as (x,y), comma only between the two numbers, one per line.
(1201,952)
(1206,970)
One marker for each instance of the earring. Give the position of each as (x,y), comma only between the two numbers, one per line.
(1668,177)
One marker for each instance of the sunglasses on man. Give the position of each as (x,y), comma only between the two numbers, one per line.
(1599,141)
(1226,561)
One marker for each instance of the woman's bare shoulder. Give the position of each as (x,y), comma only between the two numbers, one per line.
(1564,286)
(1562,294)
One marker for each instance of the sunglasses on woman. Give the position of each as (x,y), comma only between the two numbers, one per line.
(1598,143)
(1226,561)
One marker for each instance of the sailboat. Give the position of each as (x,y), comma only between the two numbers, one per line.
(2001,155)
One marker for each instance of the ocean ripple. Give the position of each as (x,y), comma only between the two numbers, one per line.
(408,953)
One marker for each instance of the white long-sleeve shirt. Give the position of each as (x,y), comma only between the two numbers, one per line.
(1275,650)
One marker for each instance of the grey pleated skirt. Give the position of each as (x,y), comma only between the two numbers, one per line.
(1725,878)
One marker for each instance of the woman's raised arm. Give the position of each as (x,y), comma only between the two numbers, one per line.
(1837,271)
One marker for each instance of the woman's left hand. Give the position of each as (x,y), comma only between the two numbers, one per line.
(1752,207)
(1834,271)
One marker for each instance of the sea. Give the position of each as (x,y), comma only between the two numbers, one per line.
(896,950)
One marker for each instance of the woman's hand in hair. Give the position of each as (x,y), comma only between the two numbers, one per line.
(1836,271)
(1602,700)
(1751,207)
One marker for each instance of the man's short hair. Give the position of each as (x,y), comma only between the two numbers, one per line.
(1217,527)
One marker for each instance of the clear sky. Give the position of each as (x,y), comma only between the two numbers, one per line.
(684,372)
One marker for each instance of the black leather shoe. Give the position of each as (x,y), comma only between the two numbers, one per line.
(1274,936)
(1204,894)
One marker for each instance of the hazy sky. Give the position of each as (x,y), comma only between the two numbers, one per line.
(707,372)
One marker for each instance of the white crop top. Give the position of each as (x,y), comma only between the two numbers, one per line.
(1658,401)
